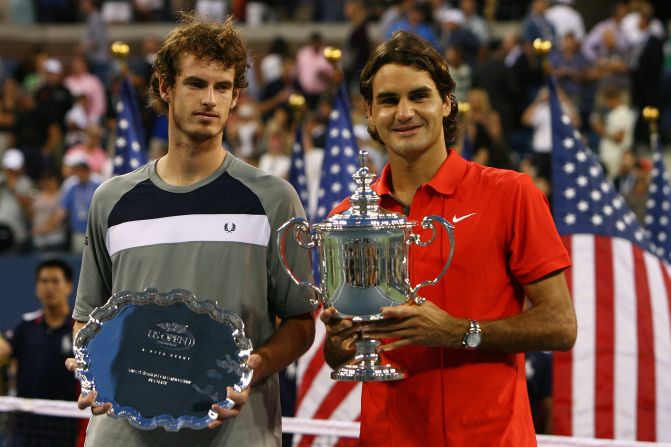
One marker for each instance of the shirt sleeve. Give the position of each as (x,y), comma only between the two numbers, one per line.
(535,248)
(95,278)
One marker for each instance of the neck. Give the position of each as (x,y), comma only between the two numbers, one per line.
(407,175)
(189,162)
(56,315)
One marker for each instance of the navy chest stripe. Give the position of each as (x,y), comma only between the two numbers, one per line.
(224,195)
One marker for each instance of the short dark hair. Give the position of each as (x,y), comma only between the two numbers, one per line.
(207,41)
(408,49)
(55,263)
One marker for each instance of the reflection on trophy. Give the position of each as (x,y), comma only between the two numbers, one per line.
(363,262)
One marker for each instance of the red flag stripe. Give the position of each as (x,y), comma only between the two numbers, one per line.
(660,298)
(562,376)
(605,343)
(645,423)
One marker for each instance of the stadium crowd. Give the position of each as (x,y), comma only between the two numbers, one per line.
(57,114)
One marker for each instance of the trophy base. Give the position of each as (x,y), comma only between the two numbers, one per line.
(366,367)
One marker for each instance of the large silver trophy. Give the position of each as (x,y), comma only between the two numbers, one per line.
(363,259)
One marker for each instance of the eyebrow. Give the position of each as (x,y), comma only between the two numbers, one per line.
(226,83)
(384,95)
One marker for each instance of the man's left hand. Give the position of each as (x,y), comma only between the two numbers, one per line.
(412,324)
(240,399)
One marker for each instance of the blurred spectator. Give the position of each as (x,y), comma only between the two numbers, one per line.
(637,197)
(76,199)
(95,43)
(270,67)
(616,130)
(570,68)
(76,120)
(328,10)
(142,65)
(276,93)
(460,71)
(634,29)
(243,131)
(536,26)
(611,63)
(48,229)
(277,144)
(565,19)
(501,86)
(97,159)
(397,10)
(81,82)
(539,385)
(53,100)
(9,98)
(455,34)
(626,174)
(15,202)
(594,45)
(40,343)
(30,72)
(415,20)
(647,60)
(537,116)
(314,71)
(473,22)
(357,46)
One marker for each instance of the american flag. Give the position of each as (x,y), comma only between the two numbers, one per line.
(129,135)
(297,176)
(615,383)
(340,157)
(319,397)
(658,213)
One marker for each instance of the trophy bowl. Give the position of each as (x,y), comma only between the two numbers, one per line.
(363,264)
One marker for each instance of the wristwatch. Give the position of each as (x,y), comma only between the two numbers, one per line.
(473,336)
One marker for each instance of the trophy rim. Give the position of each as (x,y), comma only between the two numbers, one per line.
(113,307)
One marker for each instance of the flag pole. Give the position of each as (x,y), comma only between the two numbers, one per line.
(543,48)
(120,50)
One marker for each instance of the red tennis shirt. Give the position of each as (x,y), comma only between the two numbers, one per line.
(504,237)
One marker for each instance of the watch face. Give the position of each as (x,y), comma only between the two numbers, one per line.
(473,339)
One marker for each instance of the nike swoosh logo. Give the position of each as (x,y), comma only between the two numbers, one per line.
(456,219)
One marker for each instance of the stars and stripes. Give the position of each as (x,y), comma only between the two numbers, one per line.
(319,397)
(615,382)
(297,175)
(340,158)
(129,151)
(658,215)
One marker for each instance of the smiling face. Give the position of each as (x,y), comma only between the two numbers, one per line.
(407,111)
(201,99)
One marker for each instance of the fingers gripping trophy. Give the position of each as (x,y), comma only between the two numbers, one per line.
(363,262)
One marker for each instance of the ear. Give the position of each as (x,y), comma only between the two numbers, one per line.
(369,112)
(164,90)
(236,96)
(447,106)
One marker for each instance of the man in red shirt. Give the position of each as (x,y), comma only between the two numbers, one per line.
(463,348)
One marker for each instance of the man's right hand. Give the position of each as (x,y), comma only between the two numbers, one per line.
(88,401)
(341,335)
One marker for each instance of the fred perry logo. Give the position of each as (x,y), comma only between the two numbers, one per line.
(230,227)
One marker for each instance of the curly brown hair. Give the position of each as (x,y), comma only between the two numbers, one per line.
(408,49)
(207,41)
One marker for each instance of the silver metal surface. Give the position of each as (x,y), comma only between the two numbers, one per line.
(363,264)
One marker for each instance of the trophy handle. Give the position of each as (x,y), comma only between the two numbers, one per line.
(428,222)
(302,227)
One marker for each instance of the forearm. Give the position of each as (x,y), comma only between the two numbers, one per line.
(77,326)
(550,325)
(291,339)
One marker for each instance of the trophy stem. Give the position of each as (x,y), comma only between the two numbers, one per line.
(366,367)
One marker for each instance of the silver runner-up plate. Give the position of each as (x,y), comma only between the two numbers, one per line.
(162,359)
